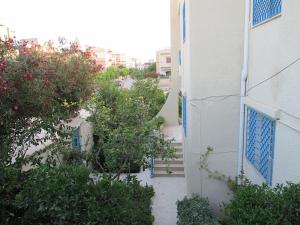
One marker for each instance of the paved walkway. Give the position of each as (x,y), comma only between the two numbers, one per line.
(173,132)
(167,191)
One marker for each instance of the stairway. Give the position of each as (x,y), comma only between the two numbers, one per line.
(171,168)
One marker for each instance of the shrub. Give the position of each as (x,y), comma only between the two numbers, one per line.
(67,195)
(195,211)
(11,183)
(264,205)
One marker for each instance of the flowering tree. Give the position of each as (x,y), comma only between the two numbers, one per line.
(40,86)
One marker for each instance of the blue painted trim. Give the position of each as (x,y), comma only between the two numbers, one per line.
(264,10)
(152,168)
(76,138)
(260,143)
(184,21)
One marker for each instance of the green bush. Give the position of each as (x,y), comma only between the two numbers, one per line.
(263,205)
(67,195)
(195,211)
(11,182)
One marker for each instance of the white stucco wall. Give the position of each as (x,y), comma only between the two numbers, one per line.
(274,45)
(211,66)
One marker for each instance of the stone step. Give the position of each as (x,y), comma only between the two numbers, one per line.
(178,155)
(168,169)
(176,144)
(171,161)
(171,174)
(178,149)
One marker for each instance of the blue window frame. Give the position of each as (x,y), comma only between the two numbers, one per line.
(76,138)
(184,21)
(265,9)
(184,114)
(260,143)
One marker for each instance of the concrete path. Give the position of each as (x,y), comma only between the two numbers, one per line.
(167,191)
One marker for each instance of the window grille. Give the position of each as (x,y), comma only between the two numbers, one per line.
(265,9)
(76,138)
(260,143)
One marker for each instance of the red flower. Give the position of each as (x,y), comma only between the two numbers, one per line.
(27,76)
(46,82)
(4,85)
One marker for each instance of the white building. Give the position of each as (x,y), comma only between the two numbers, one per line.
(272,132)
(163,62)
(5,31)
(239,64)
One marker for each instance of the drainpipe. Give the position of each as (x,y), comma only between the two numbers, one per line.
(244,75)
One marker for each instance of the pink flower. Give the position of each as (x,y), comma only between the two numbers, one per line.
(27,76)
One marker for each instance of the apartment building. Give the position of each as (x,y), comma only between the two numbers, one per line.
(163,62)
(238,62)
(272,129)
(5,31)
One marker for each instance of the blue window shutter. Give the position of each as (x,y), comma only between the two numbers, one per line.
(184,21)
(260,143)
(76,138)
(265,9)
(184,114)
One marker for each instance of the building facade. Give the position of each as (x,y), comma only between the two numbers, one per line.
(5,31)
(272,131)
(239,67)
(163,62)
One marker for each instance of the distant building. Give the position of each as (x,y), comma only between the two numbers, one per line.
(108,58)
(30,41)
(163,62)
(6,32)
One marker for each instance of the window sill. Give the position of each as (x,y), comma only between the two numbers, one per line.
(266,21)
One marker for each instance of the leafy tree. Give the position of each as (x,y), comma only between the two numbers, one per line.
(125,127)
(39,88)
(113,73)
(148,72)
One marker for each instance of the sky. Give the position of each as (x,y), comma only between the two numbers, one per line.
(135,27)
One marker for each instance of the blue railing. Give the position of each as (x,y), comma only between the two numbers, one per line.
(265,9)
(152,167)
(260,143)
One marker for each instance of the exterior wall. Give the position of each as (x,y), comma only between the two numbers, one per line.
(175,36)
(86,137)
(211,66)
(274,45)
(170,109)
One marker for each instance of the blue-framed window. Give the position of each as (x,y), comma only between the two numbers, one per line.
(76,138)
(260,143)
(265,9)
(184,21)
(184,114)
